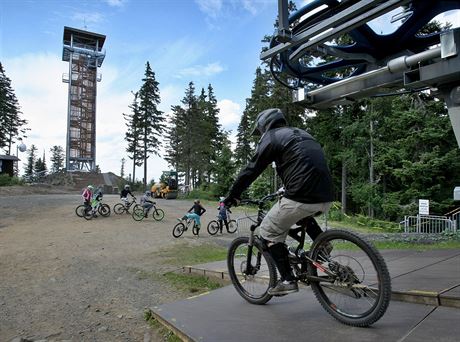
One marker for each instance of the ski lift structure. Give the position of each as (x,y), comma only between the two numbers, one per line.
(370,63)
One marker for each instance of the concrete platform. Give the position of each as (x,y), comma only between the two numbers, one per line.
(428,277)
(222,315)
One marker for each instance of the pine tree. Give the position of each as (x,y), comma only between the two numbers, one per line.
(151,118)
(133,120)
(189,134)
(243,148)
(57,158)
(31,158)
(174,144)
(224,168)
(12,126)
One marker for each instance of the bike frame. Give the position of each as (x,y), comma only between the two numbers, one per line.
(294,233)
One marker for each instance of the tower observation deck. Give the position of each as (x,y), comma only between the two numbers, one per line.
(83,51)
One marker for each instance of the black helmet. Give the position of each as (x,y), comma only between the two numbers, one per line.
(266,119)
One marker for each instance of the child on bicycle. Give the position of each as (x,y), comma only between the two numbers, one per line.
(124,194)
(223,215)
(96,198)
(198,210)
(147,203)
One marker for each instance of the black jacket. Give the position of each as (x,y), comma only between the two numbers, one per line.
(197,209)
(300,163)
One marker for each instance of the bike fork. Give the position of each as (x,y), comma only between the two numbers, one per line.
(249,268)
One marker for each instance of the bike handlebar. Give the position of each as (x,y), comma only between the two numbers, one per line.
(263,199)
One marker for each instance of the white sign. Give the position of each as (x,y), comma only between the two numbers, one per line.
(423,207)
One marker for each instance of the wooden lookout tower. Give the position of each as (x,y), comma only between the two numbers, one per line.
(83,51)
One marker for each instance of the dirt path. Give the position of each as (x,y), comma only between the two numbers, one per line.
(65,278)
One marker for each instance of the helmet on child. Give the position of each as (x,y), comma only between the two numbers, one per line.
(127,186)
(148,193)
(221,199)
(197,201)
(90,187)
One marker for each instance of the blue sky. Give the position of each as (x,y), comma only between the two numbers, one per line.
(204,41)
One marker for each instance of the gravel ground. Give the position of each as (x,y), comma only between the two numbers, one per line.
(65,278)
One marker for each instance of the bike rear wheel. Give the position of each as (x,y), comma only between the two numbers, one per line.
(232,226)
(195,230)
(119,208)
(138,213)
(158,214)
(361,289)
(213,227)
(104,210)
(178,230)
(253,285)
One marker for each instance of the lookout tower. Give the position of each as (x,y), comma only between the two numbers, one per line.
(83,51)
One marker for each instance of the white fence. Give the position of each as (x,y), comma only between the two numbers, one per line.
(429,224)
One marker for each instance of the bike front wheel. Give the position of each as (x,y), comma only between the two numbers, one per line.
(158,214)
(213,227)
(253,282)
(232,226)
(104,210)
(178,230)
(357,286)
(119,208)
(80,210)
(88,213)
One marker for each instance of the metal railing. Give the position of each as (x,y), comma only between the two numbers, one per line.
(428,224)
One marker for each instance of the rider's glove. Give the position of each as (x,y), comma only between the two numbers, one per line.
(231,202)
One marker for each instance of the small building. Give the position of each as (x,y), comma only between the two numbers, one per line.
(7,164)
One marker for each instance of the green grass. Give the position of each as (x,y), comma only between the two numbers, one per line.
(184,254)
(165,333)
(191,283)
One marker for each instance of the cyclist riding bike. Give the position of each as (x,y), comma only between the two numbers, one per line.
(124,194)
(146,202)
(302,167)
(87,195)
(96,198)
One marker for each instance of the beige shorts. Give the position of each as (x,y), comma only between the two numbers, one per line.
(284,214)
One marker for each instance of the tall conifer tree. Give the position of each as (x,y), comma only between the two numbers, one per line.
(151,118)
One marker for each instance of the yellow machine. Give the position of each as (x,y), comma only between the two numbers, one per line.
(167,187)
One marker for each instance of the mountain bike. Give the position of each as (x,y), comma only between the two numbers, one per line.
(125,206)
(350,280)
(87,211)
(139,213)
(183,225)
(214,225)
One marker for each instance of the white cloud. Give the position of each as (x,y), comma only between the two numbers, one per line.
(452,17)
(37,82)
(249,6)
(201,70)
(115,3)
(230,113)
(211,8)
